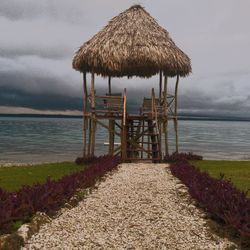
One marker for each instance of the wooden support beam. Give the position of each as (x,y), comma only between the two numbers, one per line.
(165,128)
(108,97)
(165,123)
(118,125)
(117,149)
(118,112)
(93,133)
(157,120)
(124,128)
(117,153)
(148,155)
(136,145)
(142,139)
(141,134)
(105,126)
(111,136)
(109,85)
(92,91)
(93,123)
(176,99)
(160,85)
(85,93)
(85,126)
(111,126)
(84,132)
(160,137)
(89,139)
(175,114)
(165,92)
(176,135)
(124,143)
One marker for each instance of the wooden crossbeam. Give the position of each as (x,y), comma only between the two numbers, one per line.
(117,149)
(139,147)
(107,127)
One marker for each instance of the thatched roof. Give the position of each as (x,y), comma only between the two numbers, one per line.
(132,44)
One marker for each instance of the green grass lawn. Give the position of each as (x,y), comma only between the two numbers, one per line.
(12,178)
(237,171)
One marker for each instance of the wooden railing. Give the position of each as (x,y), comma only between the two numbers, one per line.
(108,104)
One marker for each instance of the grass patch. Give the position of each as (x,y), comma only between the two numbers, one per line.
(13,178)
(237,171)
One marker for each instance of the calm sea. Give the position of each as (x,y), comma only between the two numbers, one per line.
(60,139)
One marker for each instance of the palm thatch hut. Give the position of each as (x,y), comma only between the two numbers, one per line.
(132,44)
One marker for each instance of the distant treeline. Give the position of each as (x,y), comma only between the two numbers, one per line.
(189,117)
(40,116)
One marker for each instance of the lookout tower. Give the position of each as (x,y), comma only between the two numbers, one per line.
(132,44)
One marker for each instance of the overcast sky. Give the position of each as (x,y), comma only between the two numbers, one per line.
(38,40)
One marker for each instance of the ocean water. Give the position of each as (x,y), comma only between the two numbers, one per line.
(60,139)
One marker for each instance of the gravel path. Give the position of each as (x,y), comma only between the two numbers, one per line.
(138,207)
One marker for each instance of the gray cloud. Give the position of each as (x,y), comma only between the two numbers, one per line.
(53,9)
(38,41)
(205,102)
(51,53)
(20,98)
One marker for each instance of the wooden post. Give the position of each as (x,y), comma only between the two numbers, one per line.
(160,85)
(165,123)
(124,128)
(85,92)
(89,139)
(142,137)
(93,127)
(176,90)
(175,115)
(111,136)
(92,92)
(93,137)
(111,124)
(176,135)
(159,124)
(160,103)
(152,103)
(149,140)
(85,121)
(109,84)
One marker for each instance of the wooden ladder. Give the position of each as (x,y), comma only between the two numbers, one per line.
(142,138)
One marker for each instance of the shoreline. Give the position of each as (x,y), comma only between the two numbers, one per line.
(17,164)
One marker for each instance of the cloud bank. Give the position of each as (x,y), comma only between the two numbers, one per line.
(38,41)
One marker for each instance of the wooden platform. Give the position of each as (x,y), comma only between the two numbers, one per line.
(143,136)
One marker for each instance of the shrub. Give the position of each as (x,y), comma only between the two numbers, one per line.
(182,157)
(51,195)
(217,196)
(85,160)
